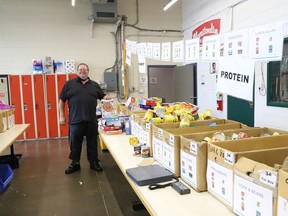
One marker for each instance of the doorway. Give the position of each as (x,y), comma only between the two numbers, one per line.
(240,110)
(174,84)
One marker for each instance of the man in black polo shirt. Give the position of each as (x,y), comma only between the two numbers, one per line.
(82,94)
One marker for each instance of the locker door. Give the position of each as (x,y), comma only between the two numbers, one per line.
(4,93)
(28,106)
(61,79)
(15,100)
(51,105)
(40,106)
(71,76)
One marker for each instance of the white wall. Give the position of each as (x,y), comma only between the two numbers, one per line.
(34,29)
(250,13)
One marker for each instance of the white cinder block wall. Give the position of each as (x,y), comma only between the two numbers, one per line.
(248,14)
(34,29)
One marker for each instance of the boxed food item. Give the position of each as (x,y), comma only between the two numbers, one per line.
(193,154)
(255,183)
(223,155)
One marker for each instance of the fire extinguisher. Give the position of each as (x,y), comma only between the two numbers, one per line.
(219,98)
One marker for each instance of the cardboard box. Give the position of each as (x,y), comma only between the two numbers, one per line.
(10,118)
(135,119)
(255,183)
(193,153)
(3,120)
(166,142)
(222,157)
(282,200)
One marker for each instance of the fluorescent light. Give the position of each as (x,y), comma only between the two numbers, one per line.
(170,3)
(73,3)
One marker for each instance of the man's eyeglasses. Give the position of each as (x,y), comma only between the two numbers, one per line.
(83,69)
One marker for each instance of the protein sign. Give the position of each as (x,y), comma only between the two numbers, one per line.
(236,77)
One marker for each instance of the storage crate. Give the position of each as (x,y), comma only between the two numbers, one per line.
(6,175)
(12,160)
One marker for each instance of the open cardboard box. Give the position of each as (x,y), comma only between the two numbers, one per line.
(222,157)
(193,154)
(166,143)
(282,199)
(255,182)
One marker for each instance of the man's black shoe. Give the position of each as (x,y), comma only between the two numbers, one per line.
(96,166)
(72,168)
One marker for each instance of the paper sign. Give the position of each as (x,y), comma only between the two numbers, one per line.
(235,74)
(189,168)
(193,147)
(171,139)
(269,177)
(160,133)
(229,157)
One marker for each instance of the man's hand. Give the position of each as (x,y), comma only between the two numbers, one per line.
(62,120)
(107,97)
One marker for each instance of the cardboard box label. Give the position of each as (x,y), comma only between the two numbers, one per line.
(168,157)
(189,168)
(282,208)
(147,126)
(171,139)
(229,157)
(220,182)
(160,133)
(133,127)
(157,149)
(269,177)
(251,199)
(193,147)
(146,137)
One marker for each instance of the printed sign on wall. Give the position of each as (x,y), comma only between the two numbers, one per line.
(211,48)
(236,44)
(166,51)
(236,77)
(266,42)
(192,50)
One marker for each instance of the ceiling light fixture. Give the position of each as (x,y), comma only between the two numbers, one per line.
(73,2)
(169,4)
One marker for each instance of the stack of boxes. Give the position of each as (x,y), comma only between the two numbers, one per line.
(221,167)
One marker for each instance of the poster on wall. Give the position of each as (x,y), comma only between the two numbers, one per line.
(266,42)
(131,45)
(178,49)
(149,49)
(166,51)
(236,77)
(128,57)
(142,64)
(141,49)
(211,48)
(236,44)
(156,51)
(192,50)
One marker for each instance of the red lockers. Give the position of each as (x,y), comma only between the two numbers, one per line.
(71,76)
(15,99)
(28,105)
(61,79)
(51,105)
(40,106)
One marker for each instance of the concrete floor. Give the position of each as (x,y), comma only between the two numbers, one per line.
(40,187)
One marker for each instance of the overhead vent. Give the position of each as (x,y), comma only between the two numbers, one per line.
(104,11)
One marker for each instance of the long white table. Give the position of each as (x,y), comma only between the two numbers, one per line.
(164,201)
(7,138)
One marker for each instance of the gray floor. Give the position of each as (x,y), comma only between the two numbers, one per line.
(40,187)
